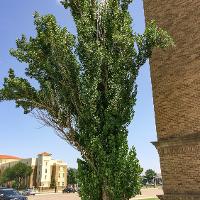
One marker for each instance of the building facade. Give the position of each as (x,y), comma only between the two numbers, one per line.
(46,173)
(6,158)
(175,74)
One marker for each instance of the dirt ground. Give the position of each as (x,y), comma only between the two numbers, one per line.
(146,193)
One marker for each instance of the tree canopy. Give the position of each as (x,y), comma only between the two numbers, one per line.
(87,88)
(72,176)
(16,174)
(149,175)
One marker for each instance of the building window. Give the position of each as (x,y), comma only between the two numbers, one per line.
(46,163)
(63,175)
(45,170)
(63,183)
(59,175)
(45,177)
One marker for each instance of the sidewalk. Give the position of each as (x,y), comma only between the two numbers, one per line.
(143,197)
(149,193)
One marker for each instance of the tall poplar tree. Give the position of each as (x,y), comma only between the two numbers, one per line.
(87,89)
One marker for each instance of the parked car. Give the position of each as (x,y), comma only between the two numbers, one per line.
(10,194)
(28,192)
(69,190)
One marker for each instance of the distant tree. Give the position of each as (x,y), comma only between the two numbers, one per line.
(21,171)
(53,183)
(72,176)
(86,89)
(7,176)
(143,180)
(14,185)
(18,173)
(149,175)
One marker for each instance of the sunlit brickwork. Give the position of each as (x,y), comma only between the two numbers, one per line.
(175,75)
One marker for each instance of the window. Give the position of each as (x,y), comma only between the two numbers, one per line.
(63,183)
(45,177)
(46,163)
(63,175)
(45,170)
(59,175)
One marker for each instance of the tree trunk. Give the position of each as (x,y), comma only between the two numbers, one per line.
(105,195)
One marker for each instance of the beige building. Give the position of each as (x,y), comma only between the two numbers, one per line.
(45,170)
(7,158)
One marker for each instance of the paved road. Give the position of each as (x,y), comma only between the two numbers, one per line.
(146,193)
(55,197)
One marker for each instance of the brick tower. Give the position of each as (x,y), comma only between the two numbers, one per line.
(175,77)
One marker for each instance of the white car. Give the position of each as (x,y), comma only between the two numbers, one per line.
(28,192)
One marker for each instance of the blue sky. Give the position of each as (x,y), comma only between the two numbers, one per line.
(22,135)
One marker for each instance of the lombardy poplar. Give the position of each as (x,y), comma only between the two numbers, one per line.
(86,89)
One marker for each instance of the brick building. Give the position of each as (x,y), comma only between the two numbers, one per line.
(45,170)
(175,75)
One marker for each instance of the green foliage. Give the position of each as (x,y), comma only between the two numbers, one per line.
(15,185)
(143,180)
(53,183)
(17,174)
(118,176)
(149,175)
(7,176)
(87,89)
(72,176)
